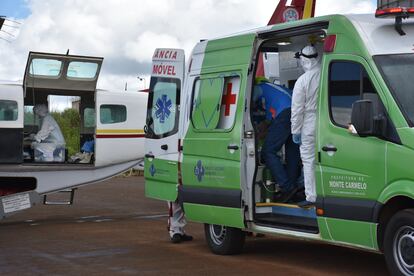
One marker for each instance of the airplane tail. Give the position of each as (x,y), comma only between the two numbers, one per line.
(298,9)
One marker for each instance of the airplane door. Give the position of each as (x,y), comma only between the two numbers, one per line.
(119,127)
(161,143)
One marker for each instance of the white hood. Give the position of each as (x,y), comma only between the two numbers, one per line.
(309,58)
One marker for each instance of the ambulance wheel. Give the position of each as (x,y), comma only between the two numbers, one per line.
(399,243)
(224,240)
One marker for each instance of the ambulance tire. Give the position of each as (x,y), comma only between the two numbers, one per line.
(399,243)
(223,240)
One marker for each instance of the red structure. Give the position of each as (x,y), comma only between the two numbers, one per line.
(285,13)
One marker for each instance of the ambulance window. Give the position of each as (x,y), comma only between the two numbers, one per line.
(229,102)
(348,82)
(215,102)
(111,113)
(8,110)
(163,107)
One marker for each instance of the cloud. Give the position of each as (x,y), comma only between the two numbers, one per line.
(126,32)
(142,48)
(344,7)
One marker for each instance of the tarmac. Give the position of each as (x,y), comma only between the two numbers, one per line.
(113,229)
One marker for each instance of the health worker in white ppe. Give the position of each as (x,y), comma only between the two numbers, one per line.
(49,138)
(176,223)
(304,103)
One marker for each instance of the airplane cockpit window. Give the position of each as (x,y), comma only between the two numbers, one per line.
(45,67)
(8,110)
(82,70)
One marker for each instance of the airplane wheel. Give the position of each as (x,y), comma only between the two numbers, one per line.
(223,240)
(399,243)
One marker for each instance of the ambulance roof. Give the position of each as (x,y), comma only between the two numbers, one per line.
(380,36)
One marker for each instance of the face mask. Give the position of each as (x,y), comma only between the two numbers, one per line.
(308,63)
(41,111)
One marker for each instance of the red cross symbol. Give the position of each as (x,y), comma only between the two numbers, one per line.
(228,99)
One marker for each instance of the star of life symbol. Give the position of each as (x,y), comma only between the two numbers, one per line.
(152,170)
(163,106)
(199,171)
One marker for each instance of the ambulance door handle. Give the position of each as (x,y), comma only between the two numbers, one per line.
(233,147)
(328,148)
(164,147)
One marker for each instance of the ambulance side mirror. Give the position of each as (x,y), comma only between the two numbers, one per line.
(362,118)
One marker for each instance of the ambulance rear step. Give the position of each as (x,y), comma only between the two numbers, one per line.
(287,216)
(67,202)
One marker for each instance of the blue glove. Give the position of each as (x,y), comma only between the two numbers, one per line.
(297,138)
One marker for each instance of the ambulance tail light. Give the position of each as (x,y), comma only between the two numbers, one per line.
(329,45)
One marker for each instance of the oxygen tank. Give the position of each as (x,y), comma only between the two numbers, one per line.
(268,186)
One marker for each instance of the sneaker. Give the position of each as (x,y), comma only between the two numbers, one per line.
(306,204)
(176,238)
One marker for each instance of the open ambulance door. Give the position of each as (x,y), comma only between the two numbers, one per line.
(213,173)
(161,143)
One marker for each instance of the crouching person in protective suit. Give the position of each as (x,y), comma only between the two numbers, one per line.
(48,142)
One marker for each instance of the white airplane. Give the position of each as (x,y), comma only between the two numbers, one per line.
(113,120)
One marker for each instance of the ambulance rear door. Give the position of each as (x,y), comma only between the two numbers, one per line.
(161,143)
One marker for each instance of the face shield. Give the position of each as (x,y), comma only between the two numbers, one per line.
(308,58)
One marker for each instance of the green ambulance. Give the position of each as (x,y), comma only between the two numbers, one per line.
(202,144)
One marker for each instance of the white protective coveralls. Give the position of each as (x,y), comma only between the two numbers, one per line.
(304,103)
(49,138)
(176,219)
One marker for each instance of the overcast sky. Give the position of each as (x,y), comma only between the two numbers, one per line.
(126,32)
